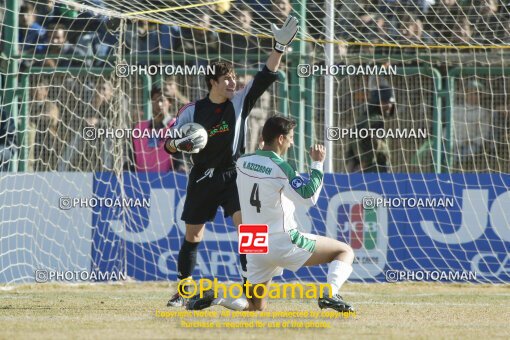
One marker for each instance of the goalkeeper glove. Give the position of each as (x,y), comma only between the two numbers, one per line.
(286,34)
(186,144)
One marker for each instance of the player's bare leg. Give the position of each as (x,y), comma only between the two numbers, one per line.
(194,232)
(237,218)
(187,259)
(328,249)
(340,257)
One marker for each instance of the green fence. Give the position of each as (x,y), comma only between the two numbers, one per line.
(425,99)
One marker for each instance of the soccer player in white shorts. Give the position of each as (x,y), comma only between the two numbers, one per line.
(269,190)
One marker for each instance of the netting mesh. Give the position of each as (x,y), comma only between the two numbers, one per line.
(59,66)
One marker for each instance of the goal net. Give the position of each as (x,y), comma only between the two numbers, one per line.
(423,196)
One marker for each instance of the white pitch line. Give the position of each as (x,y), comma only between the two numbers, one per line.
(420,294)
(423,303)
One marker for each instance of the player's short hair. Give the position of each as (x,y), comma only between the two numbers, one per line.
(220,69)
(276,126)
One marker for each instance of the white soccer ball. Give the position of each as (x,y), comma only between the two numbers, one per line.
(195,130)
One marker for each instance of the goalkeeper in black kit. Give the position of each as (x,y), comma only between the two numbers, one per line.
(212,180)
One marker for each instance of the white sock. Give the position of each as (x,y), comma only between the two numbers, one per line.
(338,273)
(238,304)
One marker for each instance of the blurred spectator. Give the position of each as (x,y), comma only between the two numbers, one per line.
(363,21)
(411,33)
(372,154)
(500,125)
(351,17)
(77,21)
(167,37)
(261,9)
(342,50)
(462,33)
(8,141)
(396,8)
(176,97)
(100,104)
(267,12)
(447,24)
(411,29)
(258,6)
(47,13)
(31,34)
(200,40)
(149,153)
(67,16)
(420,8)
(257,117)
(105,39)
(281,10)
(256,120)
(488,29)
(241,19)
(95,154)
(450,25)
(144,37)
(471,122)
(46,10)
(315,12)
(137,38)
(504,15)
(59,51)
(391,10)
(43,137)
(368,27)
(244,15)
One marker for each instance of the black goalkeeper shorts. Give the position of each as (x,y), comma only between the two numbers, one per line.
(207,190)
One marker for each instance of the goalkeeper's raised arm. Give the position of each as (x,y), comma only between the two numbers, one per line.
(222,84)
(282,38)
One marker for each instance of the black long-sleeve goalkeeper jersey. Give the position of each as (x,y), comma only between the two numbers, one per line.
(225,123)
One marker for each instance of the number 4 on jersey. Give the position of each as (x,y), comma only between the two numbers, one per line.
(254,197)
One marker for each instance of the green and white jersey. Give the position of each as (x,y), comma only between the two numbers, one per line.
(269,190)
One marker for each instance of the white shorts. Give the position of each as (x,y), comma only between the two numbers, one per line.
(287,250)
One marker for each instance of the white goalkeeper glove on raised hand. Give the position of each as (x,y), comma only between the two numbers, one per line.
(284,36)
(189,144)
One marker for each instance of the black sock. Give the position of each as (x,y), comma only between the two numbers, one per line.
(187,259)
(244,267)
(244,264)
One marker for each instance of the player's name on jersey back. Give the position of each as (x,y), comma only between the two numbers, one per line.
(257,167)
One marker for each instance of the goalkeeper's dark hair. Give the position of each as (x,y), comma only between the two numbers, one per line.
(220,69)
(276,126)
